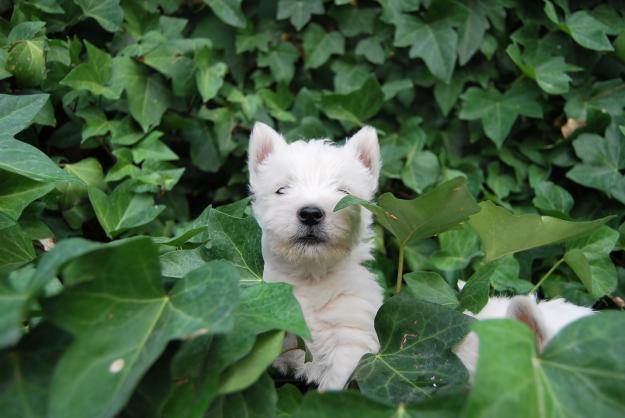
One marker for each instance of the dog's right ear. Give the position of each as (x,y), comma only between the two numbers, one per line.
(263,141)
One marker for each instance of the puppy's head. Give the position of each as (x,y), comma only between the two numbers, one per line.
(296,187)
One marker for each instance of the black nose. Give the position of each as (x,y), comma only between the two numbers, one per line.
(310,215)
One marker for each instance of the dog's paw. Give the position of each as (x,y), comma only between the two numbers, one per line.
(291,360)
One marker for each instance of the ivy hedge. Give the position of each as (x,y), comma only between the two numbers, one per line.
(130,266)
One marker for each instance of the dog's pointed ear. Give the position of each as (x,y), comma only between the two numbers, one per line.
(525,309)
(263,141)
(365,145)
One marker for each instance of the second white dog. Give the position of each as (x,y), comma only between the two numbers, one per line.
(295,188)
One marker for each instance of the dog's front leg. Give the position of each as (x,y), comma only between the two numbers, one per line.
(339,356)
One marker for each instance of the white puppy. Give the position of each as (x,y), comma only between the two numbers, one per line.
(545,318)
(295,188)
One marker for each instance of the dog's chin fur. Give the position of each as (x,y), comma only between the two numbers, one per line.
(338,296)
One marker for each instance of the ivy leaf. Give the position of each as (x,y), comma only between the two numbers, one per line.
(17,112)
(589,258)
(108,13)
(27,62)
(119,347)
(503,233)
(280,60)
(436,211)
(583,27)
(498,111)
(229,11)
(148,97)
(421,170)
(355,107)
(472,31)
(562,381)
(550,73)
(504,276)
(17,192)
(415,358)
(24,159)
(123,209)
(299,11)
(319,45)
(350,403)
(235,239)
(431,287)
(152,148)
(603,158)
(93,76)
(209,77)
(260,398)
(435,42)
(26,371)
(246,371)
(457,248)
(552,198)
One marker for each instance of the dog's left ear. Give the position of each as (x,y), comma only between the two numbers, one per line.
(263,141)
(365,145)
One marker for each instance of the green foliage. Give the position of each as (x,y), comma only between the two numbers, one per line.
(123,132)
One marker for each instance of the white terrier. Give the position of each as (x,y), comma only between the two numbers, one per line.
(545,318)
(295,188)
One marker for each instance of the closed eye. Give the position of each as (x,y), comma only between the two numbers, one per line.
(281,190)
(343,191)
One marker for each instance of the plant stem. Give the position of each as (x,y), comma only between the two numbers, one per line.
(546,275)
(400,269)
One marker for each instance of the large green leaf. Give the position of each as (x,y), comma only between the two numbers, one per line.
(26,371)
(503,233)
(24,159)
(415,358)
(436,211)
(258,400)
(265,307)
(119,330)
(351,403)
(580,373)
(123,209)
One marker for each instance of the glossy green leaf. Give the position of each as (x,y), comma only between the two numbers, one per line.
(93,76)
(123,209)
(498,111)
(108,13)
(229,11)
(299,11)
(415,359)
(503,233)
(436,211)
(563,380)
(120,346)
(589,257)
(17,192)
(319,45)
(17,112)
(431,287)
(355,107)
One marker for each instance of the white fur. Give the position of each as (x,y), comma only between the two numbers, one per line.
(546,318)
(339,297)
